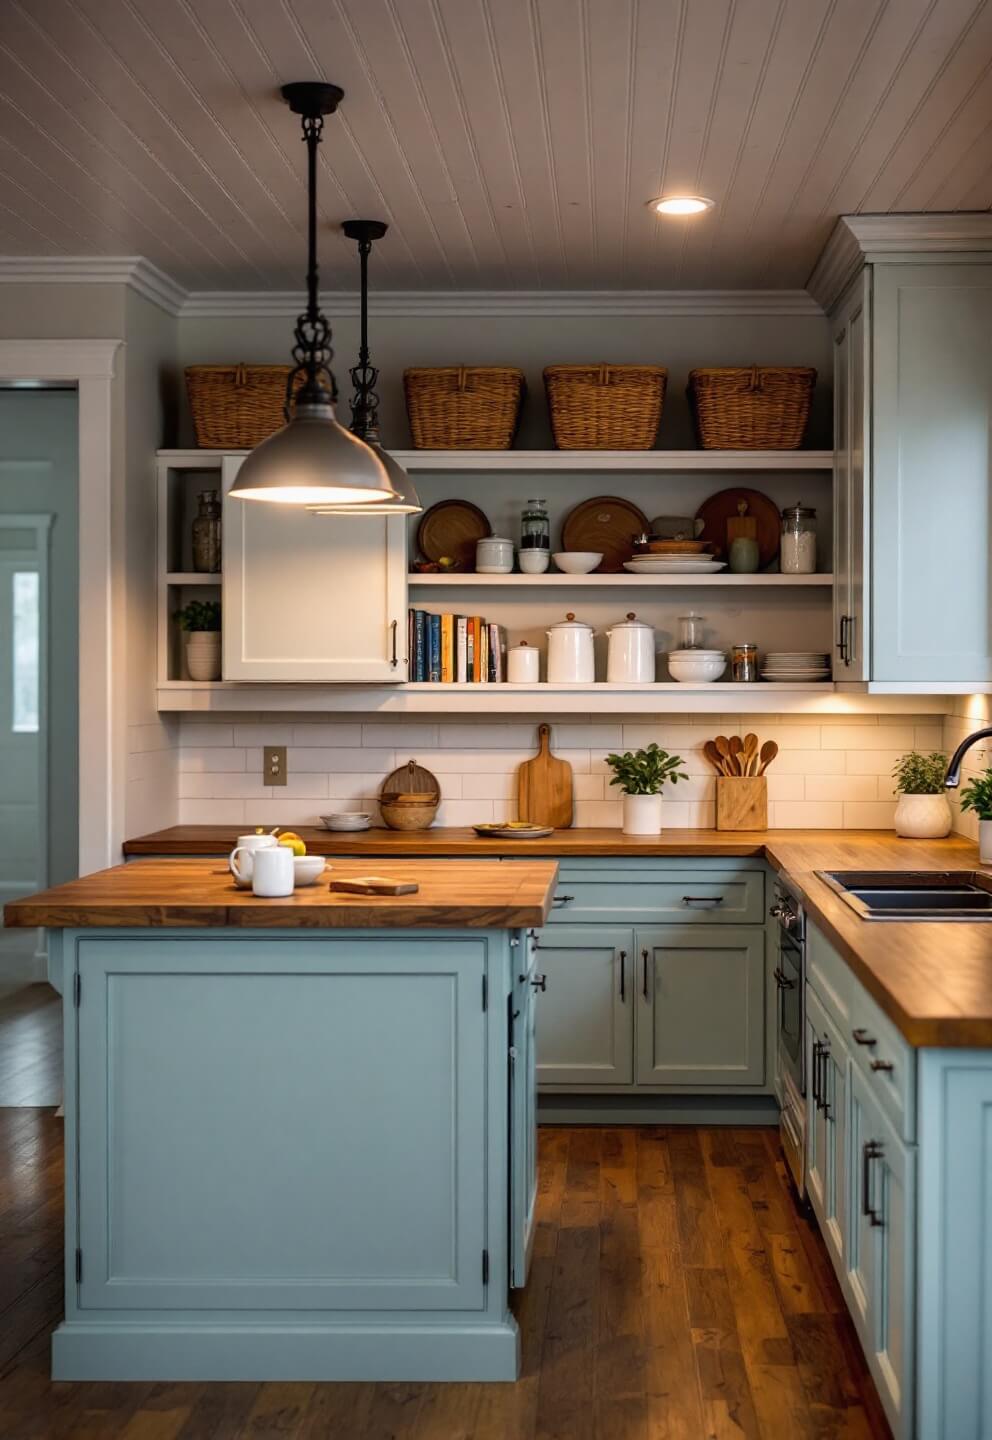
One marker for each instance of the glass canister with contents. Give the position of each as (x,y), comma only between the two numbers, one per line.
(798,549)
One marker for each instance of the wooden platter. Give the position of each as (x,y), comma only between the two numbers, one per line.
(544,786)
(452,527)
(723,506)
(606,524)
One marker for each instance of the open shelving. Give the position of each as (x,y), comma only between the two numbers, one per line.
(471,581)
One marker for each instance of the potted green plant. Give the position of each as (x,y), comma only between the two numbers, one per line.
(200,621)
(922,811)
(642,775)
(977,797)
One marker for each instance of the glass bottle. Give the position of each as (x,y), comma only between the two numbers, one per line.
(798,550)
(535,527)
(206,533)
(744,662)
(691,631)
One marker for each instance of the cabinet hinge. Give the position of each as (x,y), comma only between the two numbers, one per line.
(485,1267)
(77,989)
(485,992)
(79,1267)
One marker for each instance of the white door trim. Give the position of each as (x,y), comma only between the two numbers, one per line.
(91,365)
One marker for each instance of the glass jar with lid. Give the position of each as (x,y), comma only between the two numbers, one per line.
(798,548)
(535,527)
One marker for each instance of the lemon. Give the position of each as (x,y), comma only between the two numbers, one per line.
(293,842)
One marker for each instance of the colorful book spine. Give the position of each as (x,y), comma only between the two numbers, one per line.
(470,649)
(461,649)
(447,649)
(495,655)
(419,645)
(434,651)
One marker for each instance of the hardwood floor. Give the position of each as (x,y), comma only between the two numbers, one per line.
(676,1294)
(30,1045)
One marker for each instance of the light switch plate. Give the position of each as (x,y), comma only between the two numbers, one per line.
(274,765)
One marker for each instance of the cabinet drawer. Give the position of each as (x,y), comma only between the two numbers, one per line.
(713,897)
(831,977)
(887,1061)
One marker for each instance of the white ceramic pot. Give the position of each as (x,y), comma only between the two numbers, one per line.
(570,654)
(241,857)
(923,817)
(494,556)
(523,664)
(630,657)
(985,841)
(642,814)
(203,654)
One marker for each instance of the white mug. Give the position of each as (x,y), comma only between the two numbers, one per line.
(246,847)
(273,871)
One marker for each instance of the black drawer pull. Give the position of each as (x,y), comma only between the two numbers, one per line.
(870,1150)
(644,980)
(540,982)
(623,975)
(702,900)
(884,1065)
(860,1036)
(816,1074)
(562,900)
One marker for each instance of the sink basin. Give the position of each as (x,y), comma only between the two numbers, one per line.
(913,894)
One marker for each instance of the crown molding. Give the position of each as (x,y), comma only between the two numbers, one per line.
(858,240)
(135,271)
(631,304)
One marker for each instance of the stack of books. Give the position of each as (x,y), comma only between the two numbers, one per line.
(447,649)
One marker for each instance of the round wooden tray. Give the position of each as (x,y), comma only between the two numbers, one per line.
(453,528)
(606,525)
(723,506)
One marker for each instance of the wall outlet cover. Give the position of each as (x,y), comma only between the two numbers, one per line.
(274,768)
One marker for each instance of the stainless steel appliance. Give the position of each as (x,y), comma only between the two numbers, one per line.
(790,977)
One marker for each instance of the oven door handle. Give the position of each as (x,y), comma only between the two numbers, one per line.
(782,980)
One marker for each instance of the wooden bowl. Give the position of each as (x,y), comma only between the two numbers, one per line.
(407,817)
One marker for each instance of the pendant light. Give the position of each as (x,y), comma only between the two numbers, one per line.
(312,458)
(365,401)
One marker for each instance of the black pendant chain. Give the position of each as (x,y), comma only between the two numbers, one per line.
(364,375)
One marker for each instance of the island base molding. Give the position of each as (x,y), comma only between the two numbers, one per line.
(131,1351)
(737,1110)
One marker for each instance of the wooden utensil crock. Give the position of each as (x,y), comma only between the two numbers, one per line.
(741,802)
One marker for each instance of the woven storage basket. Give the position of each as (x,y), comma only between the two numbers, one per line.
(761,407)
(463,407)
(605,407)
(236,407)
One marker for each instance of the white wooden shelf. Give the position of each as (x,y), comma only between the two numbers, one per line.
(471,580)
(192,577)
(564,461)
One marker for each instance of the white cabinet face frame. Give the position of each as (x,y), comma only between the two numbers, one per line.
(319,598)
(852,418)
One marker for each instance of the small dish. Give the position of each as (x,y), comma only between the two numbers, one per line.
(347,820)
(513,830)
(577,562)
(307,869)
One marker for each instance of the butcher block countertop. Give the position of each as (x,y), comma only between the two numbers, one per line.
(452,894)
(933,979)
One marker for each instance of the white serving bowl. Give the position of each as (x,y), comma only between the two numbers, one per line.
(307,869)
(576,562)
(696,667)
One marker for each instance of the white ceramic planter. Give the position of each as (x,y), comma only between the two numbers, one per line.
(985,841)
(923,817)
(203,654)
(642,814)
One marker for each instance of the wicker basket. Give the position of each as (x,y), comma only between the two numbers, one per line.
(605,407)
(235,407)
(761,407)
(464,407)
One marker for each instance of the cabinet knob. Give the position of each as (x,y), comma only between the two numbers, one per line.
(560,900)
(884,1065)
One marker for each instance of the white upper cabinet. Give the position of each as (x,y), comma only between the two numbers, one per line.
(931,472)
(306,597)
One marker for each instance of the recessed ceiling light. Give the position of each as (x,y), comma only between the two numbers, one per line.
(681,204)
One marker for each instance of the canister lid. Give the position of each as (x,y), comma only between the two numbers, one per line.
(799,511)
(631,623)
(570,623)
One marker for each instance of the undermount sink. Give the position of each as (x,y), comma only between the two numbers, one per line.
(913,894)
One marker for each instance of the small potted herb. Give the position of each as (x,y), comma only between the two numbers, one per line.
(200,620)
(977,797)
(922,811)
(641,775)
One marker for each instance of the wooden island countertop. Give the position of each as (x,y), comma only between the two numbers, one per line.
(201,892)
(932,978)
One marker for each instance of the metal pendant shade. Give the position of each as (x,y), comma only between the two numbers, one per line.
(313,460)
(365,401)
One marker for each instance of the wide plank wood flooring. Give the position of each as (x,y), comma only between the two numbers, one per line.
(676,1294)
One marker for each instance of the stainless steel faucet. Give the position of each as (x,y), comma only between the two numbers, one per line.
(953,777)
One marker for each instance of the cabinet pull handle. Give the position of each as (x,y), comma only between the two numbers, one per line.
(825,1103)
(816,1073)
(860,1036)
(870,1150)
(845,621)
(710,900)
(623,976)
(644,978)
(394,626)
(782,980)
(560,900)
(540,982)
(884,1065)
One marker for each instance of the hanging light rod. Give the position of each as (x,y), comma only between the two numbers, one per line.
(313,459)
(365,400)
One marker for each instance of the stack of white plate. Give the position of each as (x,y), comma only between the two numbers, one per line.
(674,565)
(796,665)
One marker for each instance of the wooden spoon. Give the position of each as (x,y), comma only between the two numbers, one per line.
(736,754)
(768,752)
(723,747)
(714,757)
(750,752)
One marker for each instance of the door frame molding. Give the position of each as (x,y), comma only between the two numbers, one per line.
(91,366)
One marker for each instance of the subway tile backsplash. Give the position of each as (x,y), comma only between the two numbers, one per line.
(832,771)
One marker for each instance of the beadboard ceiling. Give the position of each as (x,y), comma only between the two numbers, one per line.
(511,144)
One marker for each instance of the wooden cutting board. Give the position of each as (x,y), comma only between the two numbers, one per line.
(452,528)
(723,506)
(544,786)
(374,885)
(607,525)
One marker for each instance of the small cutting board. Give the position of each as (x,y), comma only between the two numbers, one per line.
(544,786)
(374,885)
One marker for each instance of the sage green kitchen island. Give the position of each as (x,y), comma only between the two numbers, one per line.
(300,1133)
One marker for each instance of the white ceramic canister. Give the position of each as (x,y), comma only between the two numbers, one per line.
(923,817)
(242,867)
(274,871)
(630,657)
(985,841)
(523,664)
(494,556)
(570,653)
(641,814)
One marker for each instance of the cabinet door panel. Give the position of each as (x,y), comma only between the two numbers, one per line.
(585,1025)
(336,1084)
(850,482)
(311,597)
(826,1090)
(701,1005)
(523,1115)
(931,482)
